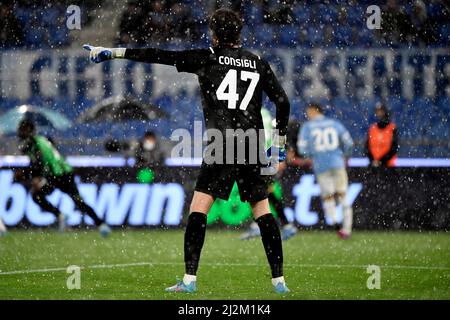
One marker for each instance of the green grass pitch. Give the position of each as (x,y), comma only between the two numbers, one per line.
(139,264)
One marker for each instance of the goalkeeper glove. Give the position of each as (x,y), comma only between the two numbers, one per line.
(100,54)
(278,148)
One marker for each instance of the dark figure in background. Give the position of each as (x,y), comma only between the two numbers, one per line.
(395,23)
(234,5)
(50,171)
(382,141)
(130,27)
(181,21)
(156,21)
(278,12)
(11,33)
(422,28)
(149,151)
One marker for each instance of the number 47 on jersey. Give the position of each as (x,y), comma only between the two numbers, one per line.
(230,83)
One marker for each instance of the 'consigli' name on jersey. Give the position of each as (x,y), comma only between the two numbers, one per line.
(237,62)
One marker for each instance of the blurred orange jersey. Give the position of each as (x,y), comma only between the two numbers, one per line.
(380,142)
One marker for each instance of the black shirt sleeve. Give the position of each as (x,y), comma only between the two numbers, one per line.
(278,96)
(185,61)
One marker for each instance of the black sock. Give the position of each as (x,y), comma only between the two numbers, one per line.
(279,208)
(270,234)
(194,237)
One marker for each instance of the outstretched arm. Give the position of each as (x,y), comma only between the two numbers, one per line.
(181,59)
(149,55)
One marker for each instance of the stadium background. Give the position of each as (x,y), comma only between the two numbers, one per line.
(322,51)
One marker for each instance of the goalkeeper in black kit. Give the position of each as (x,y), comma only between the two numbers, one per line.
(232,81)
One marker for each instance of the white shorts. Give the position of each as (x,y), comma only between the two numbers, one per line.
(332,182)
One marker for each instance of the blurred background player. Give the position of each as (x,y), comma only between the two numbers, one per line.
(50,171)
(382,139)
(288,230)
(328,143)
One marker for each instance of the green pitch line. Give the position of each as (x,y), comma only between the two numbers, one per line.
(140,264)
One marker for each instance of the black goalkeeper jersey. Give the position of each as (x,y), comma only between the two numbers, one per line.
(232,82)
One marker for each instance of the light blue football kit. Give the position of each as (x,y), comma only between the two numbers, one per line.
(327,142)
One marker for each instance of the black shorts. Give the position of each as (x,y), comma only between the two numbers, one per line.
(218,180)
(65,183)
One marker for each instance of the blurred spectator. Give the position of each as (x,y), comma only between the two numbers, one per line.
(382,141)
(279,12)
(328,36)
(235,5)
(395,23)
(157,21)
(182,22)
(149,152)
(155,26)
(114,145)
(11,33)
(163,21)
(422,28)
(130,23)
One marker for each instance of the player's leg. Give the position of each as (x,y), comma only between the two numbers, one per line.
(288,229)
(271,239)
(40,189)
(2,228)
(277,204)
(39,192)
(40,198)
(214,181)
(252,231)
(341,182)
(253,189)
(327,194)
(67,184)
(194,238)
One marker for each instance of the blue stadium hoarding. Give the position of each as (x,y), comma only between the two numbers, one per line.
(305,73)
(404,198)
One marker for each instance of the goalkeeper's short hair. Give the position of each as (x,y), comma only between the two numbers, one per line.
(226,26)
